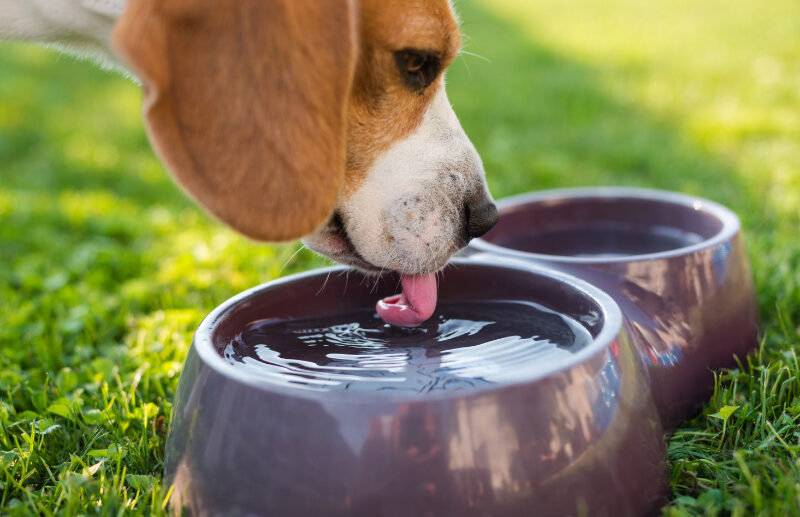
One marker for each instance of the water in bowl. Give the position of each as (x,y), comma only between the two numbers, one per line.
(463,346)
(601,240)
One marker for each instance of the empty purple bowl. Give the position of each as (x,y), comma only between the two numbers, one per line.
(578,433)
(675,264)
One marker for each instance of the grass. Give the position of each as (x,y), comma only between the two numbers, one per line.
(106,269)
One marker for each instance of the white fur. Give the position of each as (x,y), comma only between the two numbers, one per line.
(82,27)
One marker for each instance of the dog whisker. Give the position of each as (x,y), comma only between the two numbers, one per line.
(467,53)
(324,284)
(290,259)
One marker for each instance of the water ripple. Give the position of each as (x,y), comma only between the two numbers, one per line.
(465,345)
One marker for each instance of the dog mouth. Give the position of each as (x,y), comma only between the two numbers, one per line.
(411,307)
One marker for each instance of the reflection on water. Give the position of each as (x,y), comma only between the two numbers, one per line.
(464,345)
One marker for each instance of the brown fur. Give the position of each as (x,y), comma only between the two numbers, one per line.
(260,108)
(382,109)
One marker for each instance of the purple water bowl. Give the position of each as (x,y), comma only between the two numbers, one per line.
(581,436)
(675,264)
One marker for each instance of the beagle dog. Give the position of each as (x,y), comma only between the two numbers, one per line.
(325,120)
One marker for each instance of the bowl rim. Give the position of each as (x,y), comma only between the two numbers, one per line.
(730,224)
(203,345)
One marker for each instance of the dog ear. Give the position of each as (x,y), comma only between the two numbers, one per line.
(246,103)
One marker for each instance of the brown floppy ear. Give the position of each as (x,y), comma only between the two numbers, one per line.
(246,103)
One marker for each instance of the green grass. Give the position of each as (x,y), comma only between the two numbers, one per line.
(106,269)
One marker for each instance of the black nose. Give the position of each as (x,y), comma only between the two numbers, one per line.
(480,218)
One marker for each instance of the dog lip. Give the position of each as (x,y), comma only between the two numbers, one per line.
(338,231)
(346,252)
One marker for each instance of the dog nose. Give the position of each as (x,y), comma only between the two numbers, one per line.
(480,218)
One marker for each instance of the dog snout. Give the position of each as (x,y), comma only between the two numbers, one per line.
(480,218)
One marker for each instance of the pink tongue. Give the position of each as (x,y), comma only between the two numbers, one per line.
(414,305)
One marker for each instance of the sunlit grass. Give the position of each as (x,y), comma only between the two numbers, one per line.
(106,268)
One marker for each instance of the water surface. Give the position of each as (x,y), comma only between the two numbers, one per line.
(463,346)
(602,240)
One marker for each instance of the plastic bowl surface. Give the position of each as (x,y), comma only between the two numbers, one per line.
(675,264)
(584,436)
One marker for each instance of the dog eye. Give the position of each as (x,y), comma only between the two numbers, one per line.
(418,68)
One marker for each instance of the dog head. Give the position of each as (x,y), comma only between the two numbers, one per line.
(323,119)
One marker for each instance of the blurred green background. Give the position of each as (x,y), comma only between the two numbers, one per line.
(106,268)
